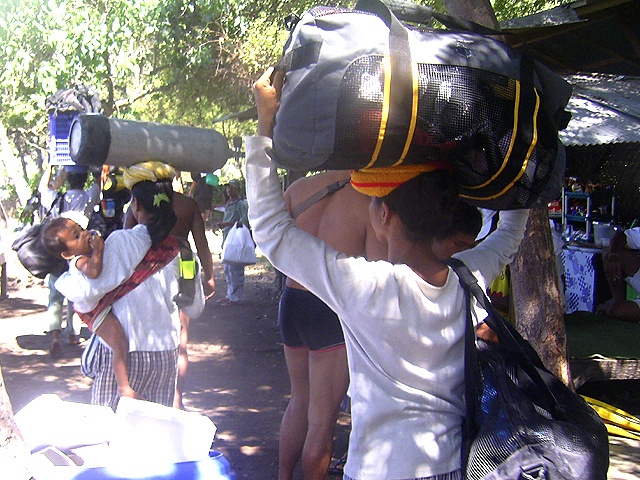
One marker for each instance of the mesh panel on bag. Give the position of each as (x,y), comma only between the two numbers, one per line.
(499,437)
(464,116)
(510,421)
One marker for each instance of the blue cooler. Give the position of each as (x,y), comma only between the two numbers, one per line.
(217,467)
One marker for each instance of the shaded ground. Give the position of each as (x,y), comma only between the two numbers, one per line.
(237,374)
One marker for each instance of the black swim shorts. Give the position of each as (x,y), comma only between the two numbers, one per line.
(306,321)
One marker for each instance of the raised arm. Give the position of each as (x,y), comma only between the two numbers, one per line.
(204,253)
(330,275)
(91,265)
(498,249)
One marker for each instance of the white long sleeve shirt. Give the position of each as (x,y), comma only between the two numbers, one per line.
(404,337)
(82,201)
(148,314)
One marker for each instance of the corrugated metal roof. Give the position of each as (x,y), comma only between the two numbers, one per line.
(604,108)
(596,36)
(583,36)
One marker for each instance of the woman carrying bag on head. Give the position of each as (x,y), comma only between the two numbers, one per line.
(148,325)
(403,319)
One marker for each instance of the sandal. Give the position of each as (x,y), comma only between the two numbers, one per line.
(56,350)
(225,302)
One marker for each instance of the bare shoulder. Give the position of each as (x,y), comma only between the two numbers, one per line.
(304,187)
(183,201)
(358,204)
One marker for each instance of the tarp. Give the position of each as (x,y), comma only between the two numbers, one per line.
(605,109)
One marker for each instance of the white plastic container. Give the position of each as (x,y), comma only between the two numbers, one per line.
(150,433)
(602,233)
(50,421)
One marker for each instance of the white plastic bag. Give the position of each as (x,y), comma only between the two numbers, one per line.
(239,248)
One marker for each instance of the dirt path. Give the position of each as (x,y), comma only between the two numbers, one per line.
(237,373)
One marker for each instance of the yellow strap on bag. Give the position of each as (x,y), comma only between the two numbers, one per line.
(187,268)
(188,274)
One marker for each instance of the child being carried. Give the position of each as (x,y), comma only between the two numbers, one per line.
(84,250)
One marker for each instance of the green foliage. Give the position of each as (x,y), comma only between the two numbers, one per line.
(24,213)
(508,9)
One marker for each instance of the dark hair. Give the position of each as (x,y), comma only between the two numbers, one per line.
(430,208)
(76,180)
(152,196)
(50,235)
(467,219)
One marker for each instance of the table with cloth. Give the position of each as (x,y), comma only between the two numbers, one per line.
(585,285)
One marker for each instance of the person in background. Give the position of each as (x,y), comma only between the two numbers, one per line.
(177,184)
(75,199)
(499,292)
(115,196)
(149,321)
(235,212)
(189,221)
(622,266)
(313,341)
(203,194)
(404,319)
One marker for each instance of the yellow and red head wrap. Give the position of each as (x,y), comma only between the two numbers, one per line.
(150,170)
(380,182)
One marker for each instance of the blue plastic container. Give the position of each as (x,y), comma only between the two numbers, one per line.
(59,127)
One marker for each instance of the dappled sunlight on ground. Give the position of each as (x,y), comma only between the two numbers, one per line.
(624,459)
(237,374)
(246,450)
(207,351)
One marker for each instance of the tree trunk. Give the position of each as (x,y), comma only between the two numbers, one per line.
(538,302)
(478,11)
(11,165)
(14,455)
(534,278)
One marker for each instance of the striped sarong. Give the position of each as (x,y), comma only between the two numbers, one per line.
(151,374)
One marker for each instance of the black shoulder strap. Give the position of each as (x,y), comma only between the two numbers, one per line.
(316,197)
(58,198)
(507,334)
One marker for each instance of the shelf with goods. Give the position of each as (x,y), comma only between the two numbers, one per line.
(582,209)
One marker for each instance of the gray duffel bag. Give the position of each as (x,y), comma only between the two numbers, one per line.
(362,90)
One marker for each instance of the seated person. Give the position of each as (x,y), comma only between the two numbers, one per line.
(622,265)
(83,249)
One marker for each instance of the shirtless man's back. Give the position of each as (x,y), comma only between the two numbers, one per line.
(313,341)
(341,219)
